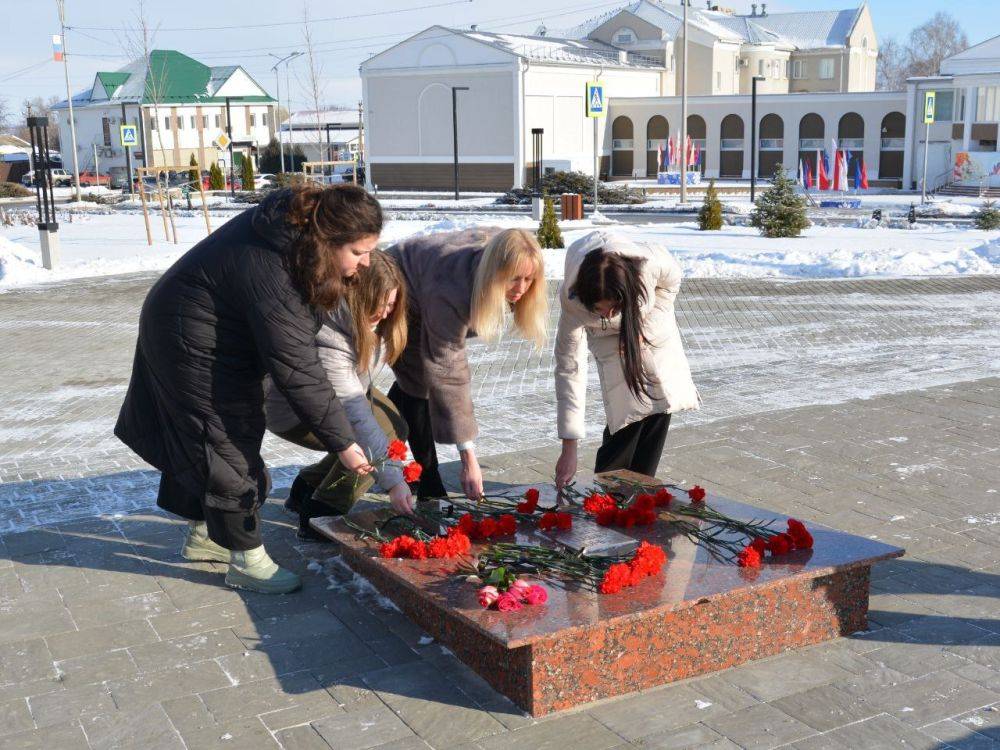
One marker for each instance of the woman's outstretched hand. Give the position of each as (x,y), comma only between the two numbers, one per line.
(401,499)
(566,465)
(355,460)
(472,475)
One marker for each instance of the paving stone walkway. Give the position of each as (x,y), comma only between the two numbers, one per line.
(109,640)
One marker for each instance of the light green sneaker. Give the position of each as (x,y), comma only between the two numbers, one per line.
(198,547)
(254,570)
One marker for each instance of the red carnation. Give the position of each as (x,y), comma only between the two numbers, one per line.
(549,520)
(397,450)
(615,579)
(412,471)
(506,525)
(606,517)
(467,524)
(780,544)
(748,558)
(759,543)
(438,548)
(564,521)
(530,502)
(799,534)
(644,502)
(697,494)
(662,498)
(388,549)
(646,517)
(536,595)
(487,528)
(458,543)
(596,503)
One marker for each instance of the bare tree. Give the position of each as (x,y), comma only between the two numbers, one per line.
(926,46)
(314,84)
(39,107)
(4,114)
(138,43)
(891,72)
(933,41)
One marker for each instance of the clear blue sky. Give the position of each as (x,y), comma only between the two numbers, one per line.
(344,43)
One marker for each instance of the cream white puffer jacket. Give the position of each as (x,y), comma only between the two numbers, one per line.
(663,359)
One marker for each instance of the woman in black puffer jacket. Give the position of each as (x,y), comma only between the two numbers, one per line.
(242,304)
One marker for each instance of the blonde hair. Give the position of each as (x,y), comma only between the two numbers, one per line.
(501,258)
(366,298)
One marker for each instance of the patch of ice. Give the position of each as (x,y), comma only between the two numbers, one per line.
(425,640)
(702,704)
(342,578)
(976,721)
(897,518)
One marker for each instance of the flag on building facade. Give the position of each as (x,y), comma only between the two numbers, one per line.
(822,171)
(807,180)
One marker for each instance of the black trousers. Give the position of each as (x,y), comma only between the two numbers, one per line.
(234,530)
(636,447)
(417,414)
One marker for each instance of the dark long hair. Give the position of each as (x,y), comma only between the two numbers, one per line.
(327,218)
(616,278)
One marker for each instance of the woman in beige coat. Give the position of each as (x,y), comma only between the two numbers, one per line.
(617,300)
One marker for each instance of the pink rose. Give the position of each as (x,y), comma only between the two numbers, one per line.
(536,595)
(488,595)
(508,602)
(520,588)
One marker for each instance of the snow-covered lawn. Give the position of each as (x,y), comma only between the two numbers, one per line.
(97,242)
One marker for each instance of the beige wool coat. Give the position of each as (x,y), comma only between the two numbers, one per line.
(580,330)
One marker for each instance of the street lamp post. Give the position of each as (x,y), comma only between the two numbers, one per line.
(277,80)
(454,127)
(753,135)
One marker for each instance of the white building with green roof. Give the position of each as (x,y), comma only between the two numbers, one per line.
(179,105)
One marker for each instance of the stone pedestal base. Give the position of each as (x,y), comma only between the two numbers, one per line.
(699,615)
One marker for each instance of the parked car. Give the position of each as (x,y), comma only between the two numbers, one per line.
(264,181)
(89,179)
(60,178)
(117,178)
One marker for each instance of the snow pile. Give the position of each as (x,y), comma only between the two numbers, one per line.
(19,265)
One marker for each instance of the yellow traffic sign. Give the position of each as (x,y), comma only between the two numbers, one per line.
(222,141)
(929,100)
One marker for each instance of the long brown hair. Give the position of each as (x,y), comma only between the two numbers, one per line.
(501,257)
(327,218)
(366,298)
(616,278)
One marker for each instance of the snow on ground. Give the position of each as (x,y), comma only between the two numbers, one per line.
(96,241)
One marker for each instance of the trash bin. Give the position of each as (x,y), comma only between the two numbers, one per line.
(571,205)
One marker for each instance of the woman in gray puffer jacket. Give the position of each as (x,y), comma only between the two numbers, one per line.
(367,331)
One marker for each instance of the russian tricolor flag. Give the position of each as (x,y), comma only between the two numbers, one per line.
(57,47)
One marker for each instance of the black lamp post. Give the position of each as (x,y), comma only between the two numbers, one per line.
(454,127)
(536,153)
(229,134)
(753,135)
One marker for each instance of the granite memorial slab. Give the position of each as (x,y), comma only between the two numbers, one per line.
(698,615)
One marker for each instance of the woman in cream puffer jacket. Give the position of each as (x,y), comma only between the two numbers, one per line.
(617,301)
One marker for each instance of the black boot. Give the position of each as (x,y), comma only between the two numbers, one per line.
(311,509)
(300,492)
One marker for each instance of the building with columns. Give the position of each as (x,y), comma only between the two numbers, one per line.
(180,108)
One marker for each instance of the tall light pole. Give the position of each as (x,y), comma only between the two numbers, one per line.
(454,128)
(684,105)
(753,134)
(61,5)
(277,80)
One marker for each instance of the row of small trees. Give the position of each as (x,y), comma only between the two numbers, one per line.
(779,212)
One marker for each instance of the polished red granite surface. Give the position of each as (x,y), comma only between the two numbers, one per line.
(697,615)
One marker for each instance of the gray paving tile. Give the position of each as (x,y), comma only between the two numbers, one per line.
(883,733)
(936,696)
(122,730)
(65,736)
(362,730)
(155,687)
(108,665)
(22,661)
(825,708)
(783,675)
(96,640)
(760,726)
(580,731)
(301,738)
(14,717)
(55,708)
(176,652)
(690,737)
(658,710)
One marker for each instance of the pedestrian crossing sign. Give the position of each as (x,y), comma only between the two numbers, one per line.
(595,100)
(929,104)
(130,136)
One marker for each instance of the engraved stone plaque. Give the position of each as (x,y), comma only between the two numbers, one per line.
(590,539)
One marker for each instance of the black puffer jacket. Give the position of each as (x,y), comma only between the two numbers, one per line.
(220,319)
